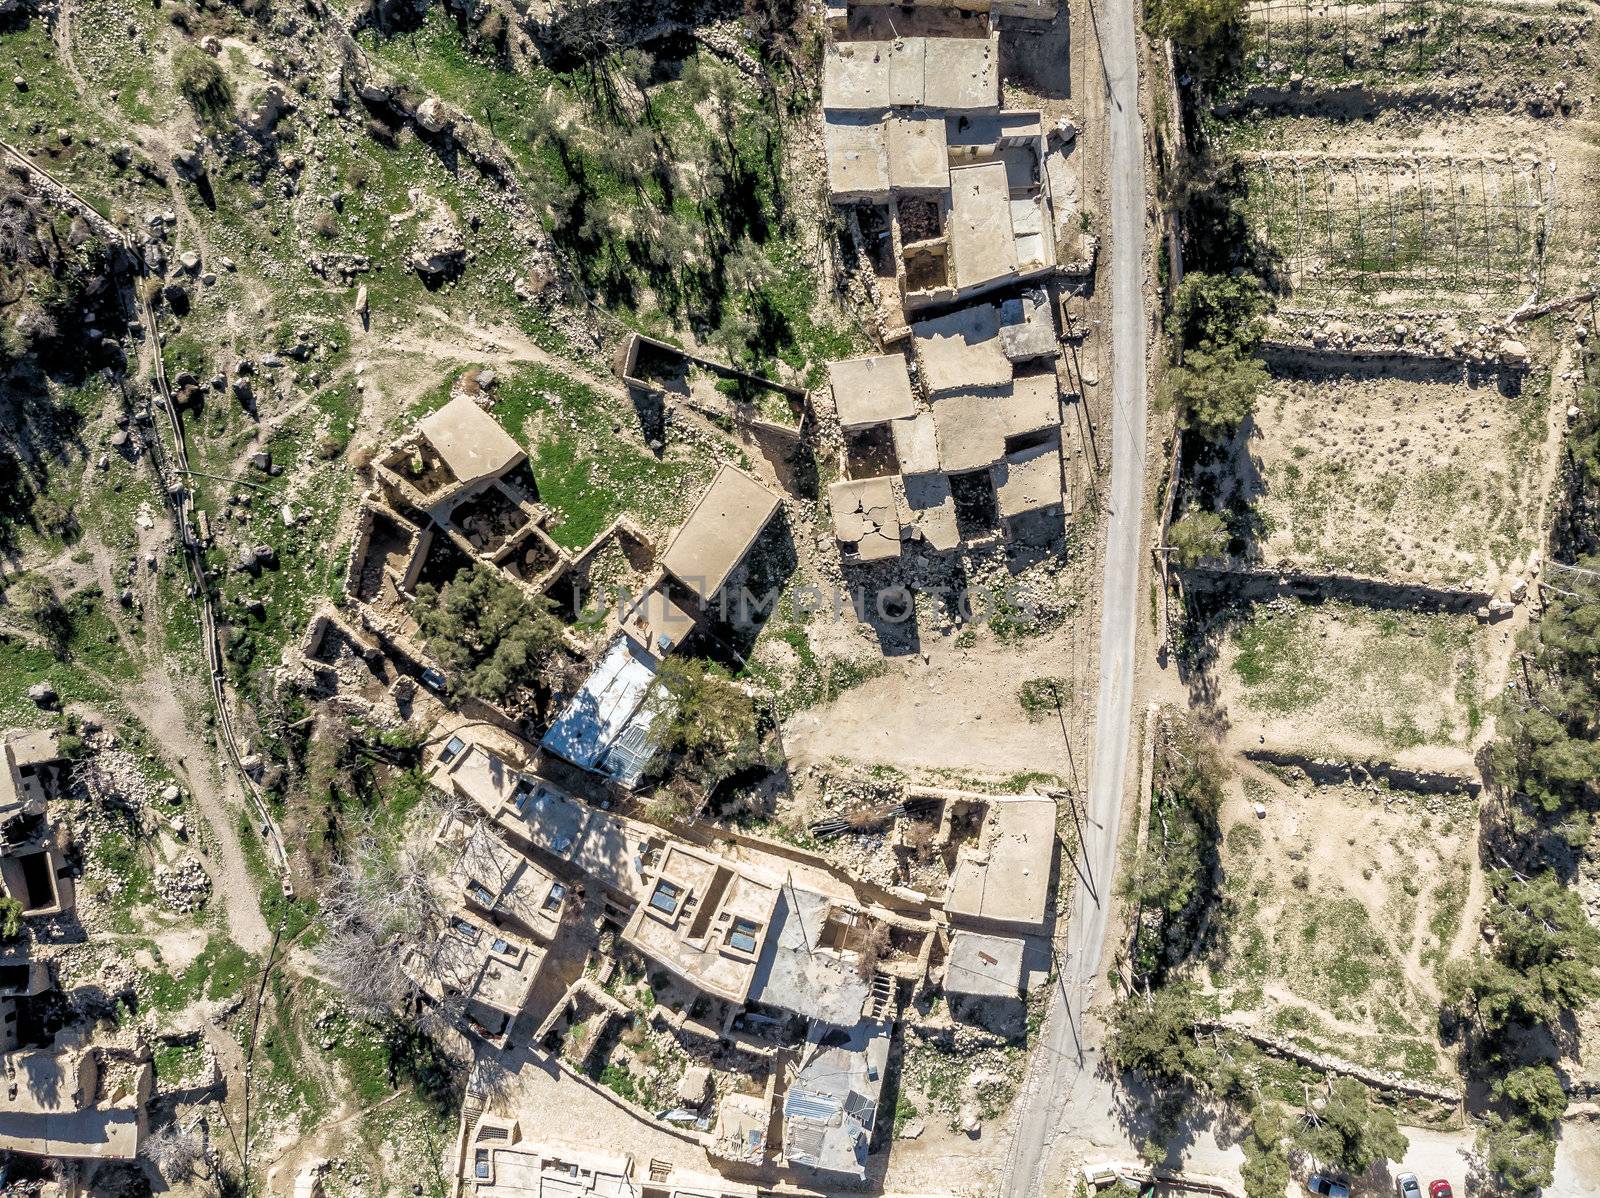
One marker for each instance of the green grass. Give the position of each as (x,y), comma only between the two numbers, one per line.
(294,915)
(174,1062)
(659,164)
(904,1112)
(1043,697)
(23,664)
(219,973)
(587,474)
(621,1083)
(1401,679)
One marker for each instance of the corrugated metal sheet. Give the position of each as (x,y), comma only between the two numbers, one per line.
(603,707)
(806,1104)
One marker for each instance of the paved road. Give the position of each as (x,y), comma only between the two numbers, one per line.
(1063,1059)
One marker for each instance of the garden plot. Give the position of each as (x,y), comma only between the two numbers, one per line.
(1342,906)
(1422,475)
(1340,680)
(1409,41)
(1457,227)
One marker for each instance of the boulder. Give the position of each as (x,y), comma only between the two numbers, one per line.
(268,108)
(43,694)
(433,116)
(440,254)
(1513,352)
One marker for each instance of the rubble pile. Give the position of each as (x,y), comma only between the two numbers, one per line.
(1429,333)
(184,886)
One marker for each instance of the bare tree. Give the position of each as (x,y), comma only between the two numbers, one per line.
(176,1152)
(391,936)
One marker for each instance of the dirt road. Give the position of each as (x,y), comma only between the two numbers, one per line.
(1065,1057)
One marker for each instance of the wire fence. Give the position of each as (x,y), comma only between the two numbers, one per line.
(1465,226)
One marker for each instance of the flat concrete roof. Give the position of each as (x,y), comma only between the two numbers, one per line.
(930,511)
(962,350)
(796,974)
(873,390)
(972,428)
(855,76)
(1035,403)
(973,424)
(469,441)
(981,240)
(864,519)
(962,74)
(858,159)
(657,623)
(1027,481)
(719,532)
(958,74)
(908,71)
(984,966)
(916,444)
(918,159)
(1028,326)
(1005,877)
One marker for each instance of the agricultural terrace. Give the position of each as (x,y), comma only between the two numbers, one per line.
(1395,227)
(1342,905)
(1420,474)
(1340,680)
(1322,44)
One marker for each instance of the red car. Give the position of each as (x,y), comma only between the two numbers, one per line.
(1439,1189)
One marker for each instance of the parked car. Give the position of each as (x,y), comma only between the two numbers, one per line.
(435,681)
(1407,1186)
(1440,1189)
(1326,1187)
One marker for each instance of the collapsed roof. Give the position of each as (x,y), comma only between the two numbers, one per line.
(864,519)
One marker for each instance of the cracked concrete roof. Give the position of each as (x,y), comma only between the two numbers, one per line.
(864,516)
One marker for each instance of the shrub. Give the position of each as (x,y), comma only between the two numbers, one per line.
(10,919)
(1197,536)
(490,636)
(203,84)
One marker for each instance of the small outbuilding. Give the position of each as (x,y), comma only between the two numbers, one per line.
(469,441)
(864,519)
(871,390)
(719,532)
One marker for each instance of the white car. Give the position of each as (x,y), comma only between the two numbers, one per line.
(1407,1186)
(1326,1187)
